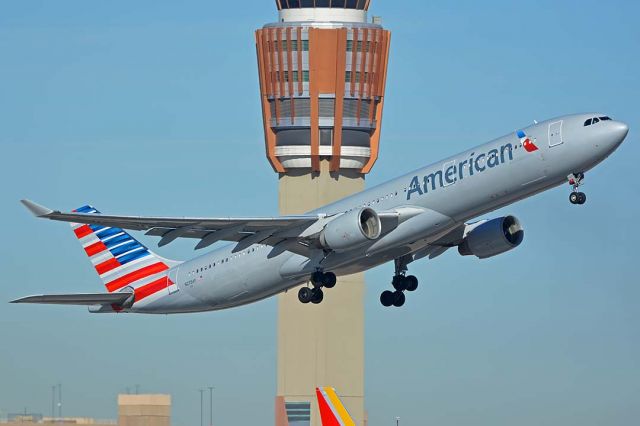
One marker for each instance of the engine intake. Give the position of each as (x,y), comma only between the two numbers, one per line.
(493,237)
(351,230)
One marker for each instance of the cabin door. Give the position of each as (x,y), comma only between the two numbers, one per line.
(555,134)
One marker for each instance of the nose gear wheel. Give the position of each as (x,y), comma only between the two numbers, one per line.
(576,197)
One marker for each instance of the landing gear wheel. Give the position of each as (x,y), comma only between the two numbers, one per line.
(305,295)
(398,299)
(399,282)
(329,279)
(318,295)
(573,198)
(411,283)
(387,298)
(577,198)
(575,180)
(317,278)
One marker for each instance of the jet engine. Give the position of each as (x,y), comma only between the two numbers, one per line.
(492,237)
(351,230)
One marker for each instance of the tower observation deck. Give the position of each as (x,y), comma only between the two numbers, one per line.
(322,70)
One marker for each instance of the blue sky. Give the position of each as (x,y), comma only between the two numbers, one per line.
(151,107)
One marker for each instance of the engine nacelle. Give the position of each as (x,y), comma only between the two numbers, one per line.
(351,230)
(493,237)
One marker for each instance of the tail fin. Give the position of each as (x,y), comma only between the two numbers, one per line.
(120,260)
(332,412)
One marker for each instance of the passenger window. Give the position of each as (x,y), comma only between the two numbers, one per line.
(587,123)
(595,120)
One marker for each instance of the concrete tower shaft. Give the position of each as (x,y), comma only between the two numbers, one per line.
(322,80)
(322,69)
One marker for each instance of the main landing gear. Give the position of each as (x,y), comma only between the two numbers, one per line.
(576,197)
(400,282)
(315,295)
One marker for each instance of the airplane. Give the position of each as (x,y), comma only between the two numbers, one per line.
(332,411)
(419,215)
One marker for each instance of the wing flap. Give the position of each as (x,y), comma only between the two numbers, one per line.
(82,299)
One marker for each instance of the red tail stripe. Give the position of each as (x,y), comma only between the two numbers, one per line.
(83,231)
(151,288)
(141,273)
(327,416)
(107,266)
(95,248)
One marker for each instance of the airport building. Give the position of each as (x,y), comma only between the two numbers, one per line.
(133,410)
(144,410)
(322,69)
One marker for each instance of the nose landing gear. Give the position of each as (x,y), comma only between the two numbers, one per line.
(400,282)
(576,197)
(315,295)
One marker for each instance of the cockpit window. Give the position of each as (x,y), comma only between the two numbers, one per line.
(595,120)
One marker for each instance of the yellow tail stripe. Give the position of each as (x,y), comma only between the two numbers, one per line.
(337,404)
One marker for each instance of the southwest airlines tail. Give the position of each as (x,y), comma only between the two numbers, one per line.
(129,270)
(332,412)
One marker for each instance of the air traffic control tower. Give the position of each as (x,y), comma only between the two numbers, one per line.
(322,69)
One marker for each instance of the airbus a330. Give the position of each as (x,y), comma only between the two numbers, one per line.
(418,215)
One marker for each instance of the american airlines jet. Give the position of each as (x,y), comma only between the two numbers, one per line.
(418,215)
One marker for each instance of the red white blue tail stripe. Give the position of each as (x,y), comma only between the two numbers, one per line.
(120,260)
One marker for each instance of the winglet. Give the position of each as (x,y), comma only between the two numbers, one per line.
(36,209)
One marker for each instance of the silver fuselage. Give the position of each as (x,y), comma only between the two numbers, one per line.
(451,192)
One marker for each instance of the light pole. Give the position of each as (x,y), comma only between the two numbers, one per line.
(53,402)
(211,405)
(397,421)
(60,400)
(201,412)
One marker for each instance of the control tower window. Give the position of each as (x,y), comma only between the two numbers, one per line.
(343,4)
(358,46)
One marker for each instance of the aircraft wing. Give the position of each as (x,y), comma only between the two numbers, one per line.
(76,299)
(247,231)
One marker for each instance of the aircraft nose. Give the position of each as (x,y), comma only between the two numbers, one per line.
(619,131)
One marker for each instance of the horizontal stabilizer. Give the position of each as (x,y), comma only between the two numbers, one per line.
(82,299)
